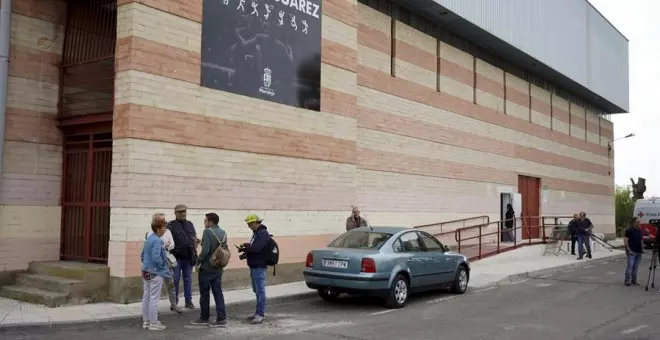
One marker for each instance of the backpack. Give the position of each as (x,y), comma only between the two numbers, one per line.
(221,254)
(272,253)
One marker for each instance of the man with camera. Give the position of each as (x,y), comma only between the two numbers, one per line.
(633,243)
(584,228)
(255,252)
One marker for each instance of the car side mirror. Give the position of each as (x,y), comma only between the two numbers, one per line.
(446,249)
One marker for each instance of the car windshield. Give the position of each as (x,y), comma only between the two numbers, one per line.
(360,240)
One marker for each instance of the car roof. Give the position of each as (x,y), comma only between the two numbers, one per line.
(383,229)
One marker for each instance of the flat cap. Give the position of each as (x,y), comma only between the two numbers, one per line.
(180,207)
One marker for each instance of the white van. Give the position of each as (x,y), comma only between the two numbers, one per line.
(648,211)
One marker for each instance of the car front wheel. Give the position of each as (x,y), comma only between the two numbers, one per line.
(399,292)
(460,281)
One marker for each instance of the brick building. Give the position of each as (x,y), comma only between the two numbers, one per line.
(417,124)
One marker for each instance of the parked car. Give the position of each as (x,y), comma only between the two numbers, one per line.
(387,262)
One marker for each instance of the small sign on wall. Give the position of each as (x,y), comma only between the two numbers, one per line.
(266,49)
(544,194)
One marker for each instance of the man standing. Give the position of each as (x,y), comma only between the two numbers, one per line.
(584,235)
(633,243)
(572,230)
(185,240)
(355,220)
(255,253)
(210,277)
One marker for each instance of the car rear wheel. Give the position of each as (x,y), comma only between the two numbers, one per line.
(328,294)
(399,292)
(460,281)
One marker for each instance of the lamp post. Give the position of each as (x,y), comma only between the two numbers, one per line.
(609,149)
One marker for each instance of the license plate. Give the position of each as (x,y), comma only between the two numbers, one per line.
(335,264)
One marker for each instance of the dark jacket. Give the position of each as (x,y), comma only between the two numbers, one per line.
(573,227)
(509,218)
(185,236)
(257,248)
(209,245)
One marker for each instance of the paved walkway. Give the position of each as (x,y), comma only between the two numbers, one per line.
(484,273)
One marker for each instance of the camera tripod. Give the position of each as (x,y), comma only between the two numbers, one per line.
(652,266)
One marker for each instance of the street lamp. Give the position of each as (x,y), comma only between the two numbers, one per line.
(609,148)
(609,144)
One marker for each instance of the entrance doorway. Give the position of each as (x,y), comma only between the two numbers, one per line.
(530,191)
(85,112)
(87,166)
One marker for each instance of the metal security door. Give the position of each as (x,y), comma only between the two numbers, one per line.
(87,166)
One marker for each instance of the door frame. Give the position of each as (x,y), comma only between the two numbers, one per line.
(529,188)
(90,125)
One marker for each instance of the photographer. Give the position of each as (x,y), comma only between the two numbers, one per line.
(256,252)
(633,243)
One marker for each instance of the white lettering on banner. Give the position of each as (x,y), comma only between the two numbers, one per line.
(304,6)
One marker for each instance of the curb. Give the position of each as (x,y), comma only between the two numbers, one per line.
(552,270)
(236,308)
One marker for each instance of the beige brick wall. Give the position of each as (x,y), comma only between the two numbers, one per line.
(32,158)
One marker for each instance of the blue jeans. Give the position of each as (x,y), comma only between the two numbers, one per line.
(258,277)
(185,267)
(211,282)
(631,267)
(584,240)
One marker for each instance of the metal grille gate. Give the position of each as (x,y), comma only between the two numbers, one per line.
(86,197)
(85,112)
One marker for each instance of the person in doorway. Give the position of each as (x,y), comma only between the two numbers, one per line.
(154,270)
(255,252)
(633,242)
(584,235)
(185,240)
(210,277)
(573,230)
(355,220)
(168,244)
(509,220)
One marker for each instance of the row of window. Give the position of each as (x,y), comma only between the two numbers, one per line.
(445,35)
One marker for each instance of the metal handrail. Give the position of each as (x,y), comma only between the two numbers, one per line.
(458,236)
(483,219)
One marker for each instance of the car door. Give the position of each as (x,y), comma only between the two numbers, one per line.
(439,267)
(416,259)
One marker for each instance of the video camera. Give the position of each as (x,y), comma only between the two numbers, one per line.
(655,223)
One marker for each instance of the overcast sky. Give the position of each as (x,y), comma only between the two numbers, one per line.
(638,156)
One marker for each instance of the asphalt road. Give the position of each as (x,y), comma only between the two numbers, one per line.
(588,302)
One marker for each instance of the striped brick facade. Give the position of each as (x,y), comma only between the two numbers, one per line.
(32,164)
(413,130)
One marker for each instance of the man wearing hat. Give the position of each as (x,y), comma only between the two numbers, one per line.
(255,253)
(185,240)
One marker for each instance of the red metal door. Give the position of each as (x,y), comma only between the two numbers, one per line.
(87,166)
(529,189)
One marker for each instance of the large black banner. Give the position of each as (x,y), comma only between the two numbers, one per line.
(268,49)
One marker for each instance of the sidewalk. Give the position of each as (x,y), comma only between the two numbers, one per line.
(485,272)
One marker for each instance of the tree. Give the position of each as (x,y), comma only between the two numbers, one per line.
(624,207)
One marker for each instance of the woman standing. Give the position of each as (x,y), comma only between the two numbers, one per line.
(509,219)
(154,270)
(168,244)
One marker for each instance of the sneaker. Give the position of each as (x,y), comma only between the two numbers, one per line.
(634,283)
(175,308)
(200,322)
(145,324)
(157,326)
(258,319)
(251,317)
(626,284)
(190,305)
(218,324)
(579,258)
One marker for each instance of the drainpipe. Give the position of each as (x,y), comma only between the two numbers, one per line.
(5,35)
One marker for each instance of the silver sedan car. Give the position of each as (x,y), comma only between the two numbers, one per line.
(388,262)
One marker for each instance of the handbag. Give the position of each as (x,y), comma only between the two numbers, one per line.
(171,260)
